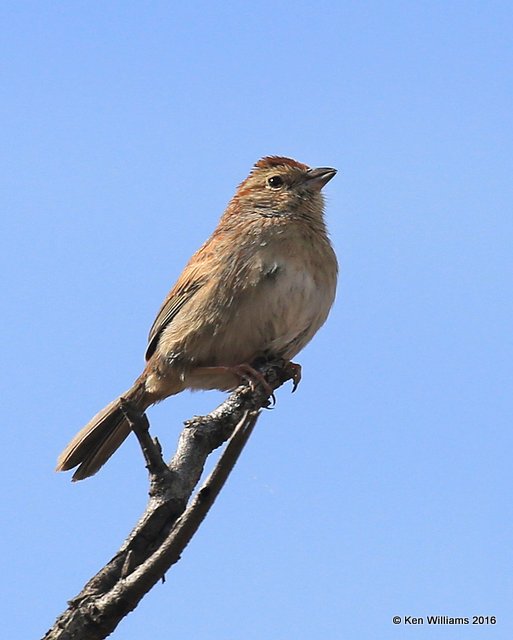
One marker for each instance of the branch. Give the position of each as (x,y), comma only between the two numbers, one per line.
(168,524)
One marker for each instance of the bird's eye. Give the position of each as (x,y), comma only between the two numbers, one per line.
(275,182)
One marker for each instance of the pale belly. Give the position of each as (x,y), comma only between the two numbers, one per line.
(276,318)
(297,308)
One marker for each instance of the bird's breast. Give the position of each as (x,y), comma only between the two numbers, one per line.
(287,301)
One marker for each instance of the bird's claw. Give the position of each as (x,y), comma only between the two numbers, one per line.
(294,371)
(252,376)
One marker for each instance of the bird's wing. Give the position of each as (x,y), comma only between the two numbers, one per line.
(181,293)
(208,266)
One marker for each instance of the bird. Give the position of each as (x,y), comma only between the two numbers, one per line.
(260,287)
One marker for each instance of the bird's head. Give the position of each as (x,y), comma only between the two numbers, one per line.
(280,187)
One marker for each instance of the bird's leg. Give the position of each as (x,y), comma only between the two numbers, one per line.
(252,375)
(245,372)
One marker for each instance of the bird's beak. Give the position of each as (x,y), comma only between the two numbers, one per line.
(317,178)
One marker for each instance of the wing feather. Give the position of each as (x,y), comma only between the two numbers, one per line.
(177,298)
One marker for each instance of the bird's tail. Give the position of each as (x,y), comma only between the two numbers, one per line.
(98,440)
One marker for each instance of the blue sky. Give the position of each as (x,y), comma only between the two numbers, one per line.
(383,486)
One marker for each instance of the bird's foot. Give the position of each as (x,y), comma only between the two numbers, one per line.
(253,377)
(294,370)
(243,372)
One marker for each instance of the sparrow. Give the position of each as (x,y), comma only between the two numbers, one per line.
(260,287)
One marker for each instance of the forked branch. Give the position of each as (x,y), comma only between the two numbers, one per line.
(171,517)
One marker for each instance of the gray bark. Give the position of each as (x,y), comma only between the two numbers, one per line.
(171,517)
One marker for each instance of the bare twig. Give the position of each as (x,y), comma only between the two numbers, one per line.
(168,524)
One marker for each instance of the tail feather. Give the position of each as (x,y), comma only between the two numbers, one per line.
(98,440)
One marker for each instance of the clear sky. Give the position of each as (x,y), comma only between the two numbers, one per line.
(382,487)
